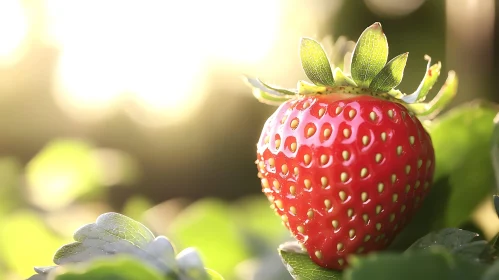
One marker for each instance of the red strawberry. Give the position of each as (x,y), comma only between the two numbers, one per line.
(346,162)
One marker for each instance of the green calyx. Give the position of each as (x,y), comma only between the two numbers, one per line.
(369,72)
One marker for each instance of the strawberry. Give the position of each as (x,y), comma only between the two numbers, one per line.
(346,161)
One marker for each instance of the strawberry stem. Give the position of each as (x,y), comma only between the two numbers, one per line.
(370,75)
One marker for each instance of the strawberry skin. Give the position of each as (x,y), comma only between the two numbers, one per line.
(344,172)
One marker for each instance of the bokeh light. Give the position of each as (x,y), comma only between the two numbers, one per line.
(150,57)
(394,8)
(13,30)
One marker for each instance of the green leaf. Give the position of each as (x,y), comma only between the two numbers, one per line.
(430,78)
(114,233)
(305,87)
(341,79)
(191,265)
(301,267)
(433,264)
(264,94)
(391,75)
(465,244)
(492,273)
(440,101)
(462,141)
(492,251)
(370,55)
(450,238)
(280,90)
(315,63)
(110,232)
(118,268)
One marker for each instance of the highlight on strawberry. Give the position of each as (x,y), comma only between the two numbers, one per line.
(345,160)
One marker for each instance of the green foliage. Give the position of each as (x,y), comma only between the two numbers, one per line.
(462,141)
(341,79)
(370,55)
(114,234)
(119,268)
(432,264)
(447,254)
(64,170)
(136,206)
(265,94)
(439,102)
(111,233)
(492,273)
(21,232)
(315,63)
(391,75)
(458,242)
(10,176)
(430,78)
(301,267)
(240,234)
(450,238)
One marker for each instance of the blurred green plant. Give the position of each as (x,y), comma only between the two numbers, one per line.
(10,176)
(24,231)
(231,235)
(113,236)
(64,186)
(68,169)
(208,225)
(61,172)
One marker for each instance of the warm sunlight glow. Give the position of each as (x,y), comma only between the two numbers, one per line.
(13,29)
(150,57)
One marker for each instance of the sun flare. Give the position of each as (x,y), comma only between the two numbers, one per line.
(154,52)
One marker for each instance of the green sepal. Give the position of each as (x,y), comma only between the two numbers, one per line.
(265,94)
(430,78)
(444,96)
(341,79)
(305,87)
(395,93)
(391,75)
(280,90)
(315,63)
(370,55)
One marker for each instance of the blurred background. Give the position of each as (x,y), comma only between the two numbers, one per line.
(139,107)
